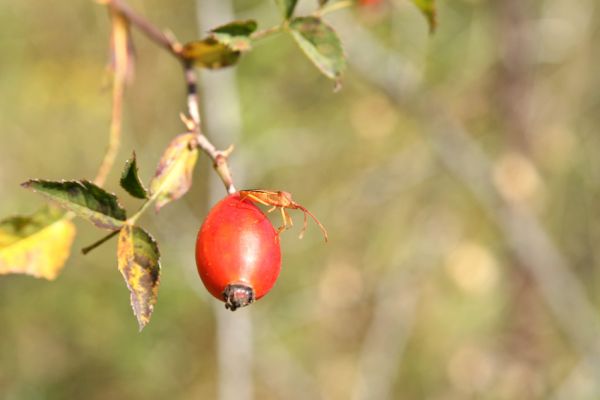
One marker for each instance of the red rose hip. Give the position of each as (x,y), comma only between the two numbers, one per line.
(237,252)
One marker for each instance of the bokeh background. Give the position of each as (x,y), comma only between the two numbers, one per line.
(457,174)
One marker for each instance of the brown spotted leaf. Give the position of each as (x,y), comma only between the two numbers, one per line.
(173,176)
(210,53)
(37,245)
(85,199)
(139,263)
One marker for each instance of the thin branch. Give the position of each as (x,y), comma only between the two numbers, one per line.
(120,40)
(263,33)
(97,243)
(146,27)
(114,138)
(219,157)
(191,80)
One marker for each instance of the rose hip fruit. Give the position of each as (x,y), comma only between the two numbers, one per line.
(237,252)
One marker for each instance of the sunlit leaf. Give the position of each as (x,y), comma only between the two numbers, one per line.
(235,35)
(321,45)
(130,180)
(173,176)
(210,53)
(36,245)
(85,199)
(287,7)
(139,263)
(428,9)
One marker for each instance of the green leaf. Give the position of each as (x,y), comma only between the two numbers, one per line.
(428,9)
(85,199)
(287,7)
(321,45)
(237,28)
(235,35)
(173,176)
(210,53)
(139,262)
(130,180)
(37,245)
(322,2)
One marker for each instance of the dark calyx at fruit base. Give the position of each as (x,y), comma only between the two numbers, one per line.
(237,295)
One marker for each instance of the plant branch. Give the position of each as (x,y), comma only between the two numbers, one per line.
(114,138)
(263,33)
(218,157)
(146,27)
(106,238)
(122,62)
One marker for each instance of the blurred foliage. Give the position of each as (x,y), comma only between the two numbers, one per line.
(417,283)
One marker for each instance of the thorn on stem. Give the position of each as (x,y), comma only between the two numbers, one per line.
(227,152)
(188,122)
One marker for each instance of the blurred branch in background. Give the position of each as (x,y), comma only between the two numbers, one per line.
(280,370)
(514,76)
(523,232)
(222,117)
(527,238)
(579,384)
(396,299)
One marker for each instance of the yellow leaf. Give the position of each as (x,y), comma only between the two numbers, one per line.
(139,263)
(173,176)
(209,53)
(37,245)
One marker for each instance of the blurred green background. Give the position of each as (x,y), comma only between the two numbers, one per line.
(457,175)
